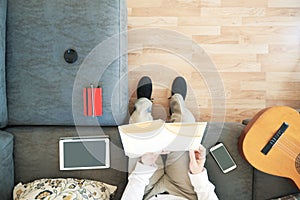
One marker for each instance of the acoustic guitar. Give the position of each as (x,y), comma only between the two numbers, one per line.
(271,142)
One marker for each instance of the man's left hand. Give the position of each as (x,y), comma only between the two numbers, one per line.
(197,160)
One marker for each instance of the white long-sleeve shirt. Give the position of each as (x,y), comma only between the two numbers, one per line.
(139,179)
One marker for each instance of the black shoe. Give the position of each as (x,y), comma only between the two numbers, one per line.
(144,88)
(179,86)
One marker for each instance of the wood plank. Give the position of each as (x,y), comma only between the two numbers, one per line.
(265,86)
(143,3)
(283,77)
(219,39)
(243,113)
(240,94)
(183,4)
(271,21)
(284,49)
(162,62)
(210,3)
(236,66)
(246,104)
(152,21)
(161,11)
(209,21)
(191,31)
(235,48)
(292,103)
(244,3)
(233,11)
(264,34)
(284,3)
(284,12)
(232,63)
(243,76)
(280,62)
(283,95)
(129,12)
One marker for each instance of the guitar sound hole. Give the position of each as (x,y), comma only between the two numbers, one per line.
(297,163)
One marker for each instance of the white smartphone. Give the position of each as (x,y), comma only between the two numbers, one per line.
(222,157)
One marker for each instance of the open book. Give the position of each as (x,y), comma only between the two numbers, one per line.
(155,136)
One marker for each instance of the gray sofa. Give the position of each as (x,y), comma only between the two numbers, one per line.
(35,155)
(41,97)
(49,52)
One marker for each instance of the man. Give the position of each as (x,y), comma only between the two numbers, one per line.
(177,175)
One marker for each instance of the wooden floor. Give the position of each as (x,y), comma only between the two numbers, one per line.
(254,47)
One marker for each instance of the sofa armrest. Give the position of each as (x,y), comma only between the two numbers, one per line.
(3,105)
(6,165)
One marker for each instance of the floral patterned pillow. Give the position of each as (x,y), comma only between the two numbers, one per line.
(289,197)
(63,189)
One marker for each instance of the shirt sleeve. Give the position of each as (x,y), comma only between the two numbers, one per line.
(204,189)
(137,182)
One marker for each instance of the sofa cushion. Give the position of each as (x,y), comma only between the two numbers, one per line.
(236,184)
(42,88)
(7,165)
(36,155)
(64,188)
(3,104)
(267,186)
(295,196)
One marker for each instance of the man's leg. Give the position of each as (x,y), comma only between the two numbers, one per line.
(179,112)
(177,164)
(142,112)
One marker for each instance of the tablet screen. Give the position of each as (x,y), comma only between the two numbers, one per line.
(84,153)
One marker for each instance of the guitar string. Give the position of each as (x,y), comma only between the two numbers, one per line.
(290,154)
(286,150)
(283,145)
(289,142)
(287,154)
(293,148)
(286,146)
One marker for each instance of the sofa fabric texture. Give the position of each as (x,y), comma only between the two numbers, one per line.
(268,186)
(41,84)
(238,181)
(3,103)
(36,155)
(6,165)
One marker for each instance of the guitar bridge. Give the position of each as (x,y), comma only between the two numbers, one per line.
(275,138)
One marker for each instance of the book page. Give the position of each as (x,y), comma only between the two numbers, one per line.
(155,136)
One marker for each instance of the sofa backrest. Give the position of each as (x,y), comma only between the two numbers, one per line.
(41,84)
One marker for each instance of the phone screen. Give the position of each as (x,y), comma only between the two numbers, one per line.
(223,158)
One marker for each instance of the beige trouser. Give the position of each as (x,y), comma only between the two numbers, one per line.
(172,173)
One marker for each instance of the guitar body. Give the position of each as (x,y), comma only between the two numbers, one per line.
(283,158)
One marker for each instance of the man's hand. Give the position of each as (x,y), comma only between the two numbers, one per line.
(197,160)
(150,158)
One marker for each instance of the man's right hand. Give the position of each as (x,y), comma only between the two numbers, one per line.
(197,160)
(149,159)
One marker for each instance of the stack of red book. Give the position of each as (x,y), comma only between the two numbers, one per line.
(92,101)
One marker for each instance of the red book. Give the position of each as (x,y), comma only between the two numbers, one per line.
(92,102)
